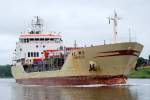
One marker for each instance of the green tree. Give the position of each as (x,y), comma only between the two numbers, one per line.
(140,62)
(5,71)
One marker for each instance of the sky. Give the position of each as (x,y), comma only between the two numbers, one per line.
(82,20)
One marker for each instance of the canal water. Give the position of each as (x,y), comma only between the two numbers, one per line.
(135,89)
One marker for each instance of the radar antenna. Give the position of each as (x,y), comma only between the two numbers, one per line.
(75,44)
(37,25)
(115,19)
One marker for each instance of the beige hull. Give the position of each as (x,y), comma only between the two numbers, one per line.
(107,60)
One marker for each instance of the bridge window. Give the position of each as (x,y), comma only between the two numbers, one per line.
(52,39)
(31,39)
(47,39)
(31,54)
(57,40)
(27,40)
(36,39)
(28,54)
(61,39)
(21,40)
(41,39)
(35,54)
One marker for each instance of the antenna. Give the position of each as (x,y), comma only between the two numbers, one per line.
(129,34)
(115,19)
(75,44)
(104,42)
(37,25)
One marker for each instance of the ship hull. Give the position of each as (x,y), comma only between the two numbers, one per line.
(74,80)
(103,64)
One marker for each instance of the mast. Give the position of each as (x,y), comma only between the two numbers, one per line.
(115,19)
(129,35)
(75,44)
(37,25)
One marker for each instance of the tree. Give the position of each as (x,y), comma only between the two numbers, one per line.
(140,62)
(5,71)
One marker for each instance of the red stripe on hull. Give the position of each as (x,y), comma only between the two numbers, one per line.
(120,53)
(74,80)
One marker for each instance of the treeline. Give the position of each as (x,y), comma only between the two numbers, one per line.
(142,62)
(5,71)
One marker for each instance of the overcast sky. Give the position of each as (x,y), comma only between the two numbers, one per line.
(81,20)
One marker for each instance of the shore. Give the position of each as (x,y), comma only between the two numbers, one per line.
(5,71)
(143,72)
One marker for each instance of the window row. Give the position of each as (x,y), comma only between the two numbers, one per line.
(26,40)
(33,54)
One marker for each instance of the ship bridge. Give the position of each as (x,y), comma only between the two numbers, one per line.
(31,44)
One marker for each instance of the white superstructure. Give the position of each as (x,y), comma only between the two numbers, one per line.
(32,44)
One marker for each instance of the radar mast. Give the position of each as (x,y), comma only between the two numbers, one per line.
(115,19)
(37,25)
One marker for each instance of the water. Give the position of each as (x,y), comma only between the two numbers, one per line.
(135,89)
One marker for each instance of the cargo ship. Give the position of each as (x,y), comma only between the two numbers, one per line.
(43,59)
